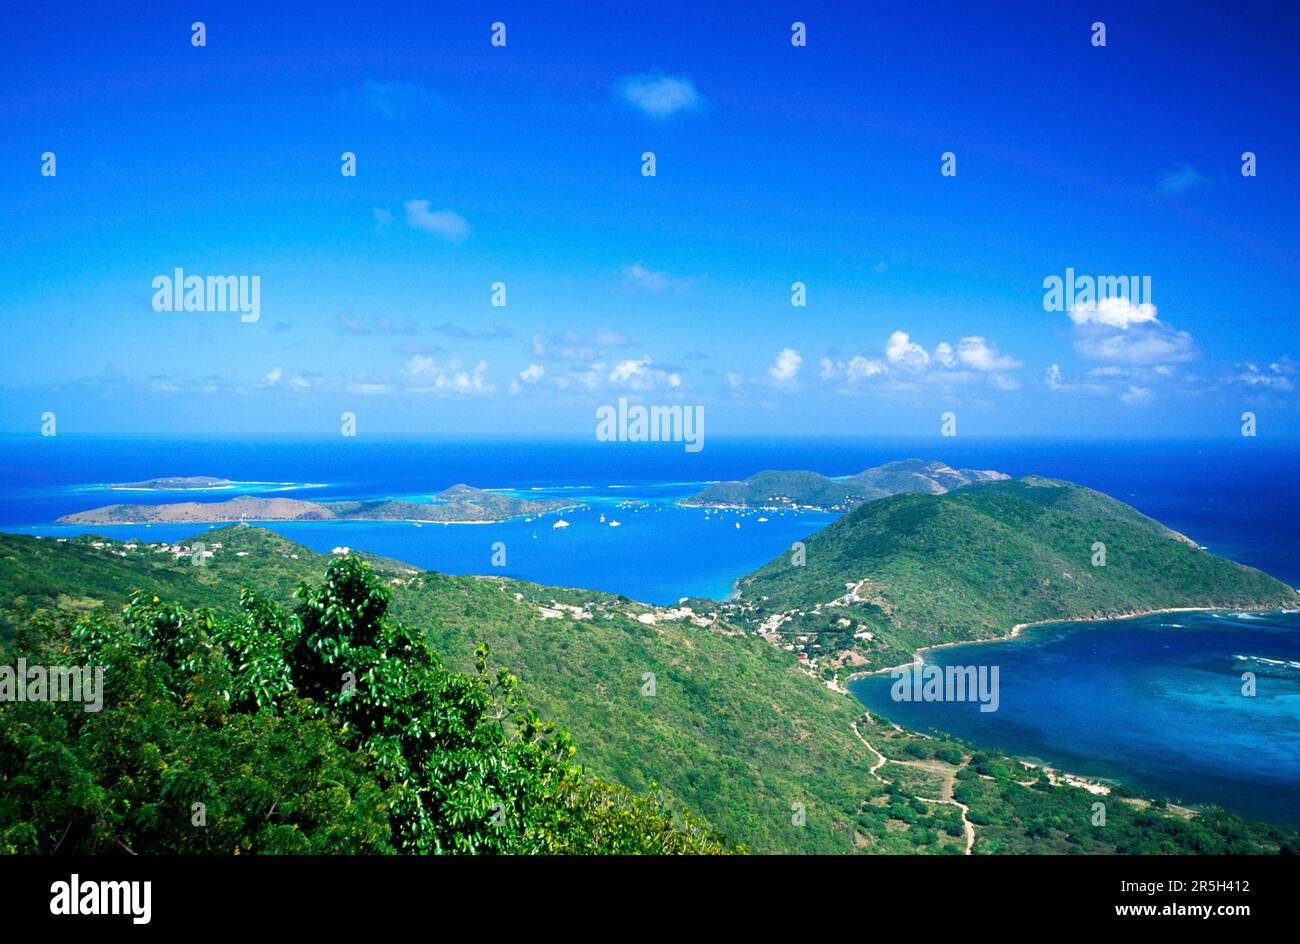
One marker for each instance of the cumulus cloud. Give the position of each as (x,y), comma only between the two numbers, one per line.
(901,349)
(446,224)
(1115,330)
(532,373)
(1133,385)
(641,375)
(1113,312)
(786,369)
(1276,376)
(978,354)
(1154,343)
(424,375)
(906,364)
(659,96)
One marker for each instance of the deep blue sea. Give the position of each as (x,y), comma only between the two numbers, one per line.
(1156,702)
(1147,701)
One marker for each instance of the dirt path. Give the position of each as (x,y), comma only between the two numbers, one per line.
(946,771)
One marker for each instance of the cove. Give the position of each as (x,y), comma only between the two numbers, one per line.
(1155,702)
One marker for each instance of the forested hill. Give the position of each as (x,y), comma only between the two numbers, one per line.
(801,489)
(916,569)
(731,728)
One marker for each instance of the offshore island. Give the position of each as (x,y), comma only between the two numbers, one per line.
(462,504)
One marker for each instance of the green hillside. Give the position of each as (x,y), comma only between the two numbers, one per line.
(458,503)
(914,570)
(738,754)
(330,729)
(735,730)
(918,475)
(799,489)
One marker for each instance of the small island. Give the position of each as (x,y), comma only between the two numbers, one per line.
(813,491)
(462,504)
(175,483)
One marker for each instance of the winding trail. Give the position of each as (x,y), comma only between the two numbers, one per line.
(949,775)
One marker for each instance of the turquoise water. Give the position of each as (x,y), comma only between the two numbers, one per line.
(1147,701)
(658,553)
(1156,702)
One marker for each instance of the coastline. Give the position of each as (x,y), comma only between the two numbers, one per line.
(1058,775)
(917,656)
(338,520)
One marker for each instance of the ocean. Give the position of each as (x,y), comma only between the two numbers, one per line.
(1154,702)
(1236,497)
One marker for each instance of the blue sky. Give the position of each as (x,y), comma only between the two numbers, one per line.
(775,164)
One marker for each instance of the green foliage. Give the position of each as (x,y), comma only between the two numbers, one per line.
(332,730)
(975,562)
(735,732)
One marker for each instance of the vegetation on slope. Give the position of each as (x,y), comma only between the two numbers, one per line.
(916,570)
(734,730)
(334,729)
(458,503)
(773,489)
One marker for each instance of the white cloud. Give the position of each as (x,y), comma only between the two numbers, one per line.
(273,377)
(979,354)
(424,375)
(1132,385)
(660,96)
(642,375)
(857,369)
(901,349)
(1276,376)
(786,368)
(1115,330)
(447,224)
(1154,343)
(383,218)
(906,364)
(532,373)
(1113,312)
